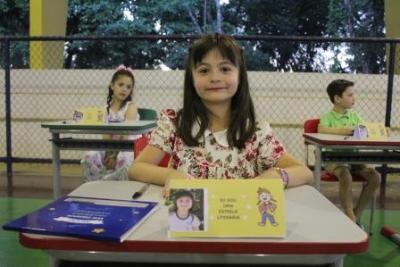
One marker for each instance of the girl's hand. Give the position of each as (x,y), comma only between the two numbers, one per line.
(173,175)
(110,159)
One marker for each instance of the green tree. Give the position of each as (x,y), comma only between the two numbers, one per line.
(277,18)
(361,18)
(14,19)
(108,18)
(349,18)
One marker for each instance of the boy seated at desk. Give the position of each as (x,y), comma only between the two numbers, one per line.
(342,120)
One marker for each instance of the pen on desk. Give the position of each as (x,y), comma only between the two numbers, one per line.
(140,192)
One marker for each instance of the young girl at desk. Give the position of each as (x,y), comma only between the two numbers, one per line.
(215,134)
(112,165)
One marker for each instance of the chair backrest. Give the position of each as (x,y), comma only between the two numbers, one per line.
(147,114)
(311,126)
(141,143)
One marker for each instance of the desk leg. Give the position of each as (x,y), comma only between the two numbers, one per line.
(53,262)
(338,262)
(56,167)
(317,168)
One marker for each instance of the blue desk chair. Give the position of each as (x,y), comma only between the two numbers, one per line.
(311,126)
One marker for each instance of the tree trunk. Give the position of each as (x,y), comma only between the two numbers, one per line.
(219,16)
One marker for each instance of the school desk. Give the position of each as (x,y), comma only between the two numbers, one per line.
(72,142)
(352,151)
(317,233)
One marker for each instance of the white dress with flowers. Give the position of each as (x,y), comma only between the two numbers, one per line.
(93,161)
(213,158)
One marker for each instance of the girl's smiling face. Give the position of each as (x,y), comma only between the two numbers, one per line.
(184,203)
(215,78)
(122,87)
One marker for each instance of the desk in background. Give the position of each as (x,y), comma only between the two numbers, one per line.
(317,233)
(73,143)
(353,151)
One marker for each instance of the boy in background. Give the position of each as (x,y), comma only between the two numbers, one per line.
(342,120)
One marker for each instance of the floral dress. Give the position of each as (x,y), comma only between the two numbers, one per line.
(92,163)
(213,158)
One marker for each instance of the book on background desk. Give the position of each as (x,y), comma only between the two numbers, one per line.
(227,208)
(92,218)
(90,115)
(370,131)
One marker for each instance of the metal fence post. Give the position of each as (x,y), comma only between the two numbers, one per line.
(384,169)
(389,95)
(7,69)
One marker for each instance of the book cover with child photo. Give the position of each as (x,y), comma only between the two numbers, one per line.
(226,208)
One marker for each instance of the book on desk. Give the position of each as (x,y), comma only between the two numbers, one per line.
(91,218)
(227,208)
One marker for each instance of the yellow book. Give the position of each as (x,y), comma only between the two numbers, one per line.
(370,131)
(227,208)
(90,115)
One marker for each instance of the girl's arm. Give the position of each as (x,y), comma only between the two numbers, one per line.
(297,172)
(145,168)
(131,112)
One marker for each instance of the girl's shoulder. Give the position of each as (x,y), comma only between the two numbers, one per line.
(262,134)
(131,111)
(130,106)
(168,115)
(263,128)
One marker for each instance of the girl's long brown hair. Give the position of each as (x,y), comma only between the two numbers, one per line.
(242,125)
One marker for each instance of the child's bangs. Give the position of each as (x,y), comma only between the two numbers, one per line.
(226,50)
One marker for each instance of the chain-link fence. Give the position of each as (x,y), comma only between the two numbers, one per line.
(48,80)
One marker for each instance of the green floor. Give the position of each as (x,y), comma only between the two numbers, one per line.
(382,252)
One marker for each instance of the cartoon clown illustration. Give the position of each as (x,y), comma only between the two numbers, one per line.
(266,206)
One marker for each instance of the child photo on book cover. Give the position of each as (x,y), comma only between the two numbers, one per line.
(187,210)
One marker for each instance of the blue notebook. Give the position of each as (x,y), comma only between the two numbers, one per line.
(92,218)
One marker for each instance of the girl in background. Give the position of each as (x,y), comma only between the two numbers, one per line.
(112,165)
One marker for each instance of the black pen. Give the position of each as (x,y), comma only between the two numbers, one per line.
(140,192)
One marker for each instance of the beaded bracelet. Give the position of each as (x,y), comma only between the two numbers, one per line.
(284,176)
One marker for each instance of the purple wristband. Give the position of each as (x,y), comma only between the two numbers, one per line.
(284,176)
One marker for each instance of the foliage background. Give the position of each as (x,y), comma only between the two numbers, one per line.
(331,18)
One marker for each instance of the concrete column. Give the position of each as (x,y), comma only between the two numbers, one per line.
(392,21)
(47,18)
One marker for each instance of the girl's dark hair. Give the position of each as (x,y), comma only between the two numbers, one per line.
(242,125)
(116,75)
